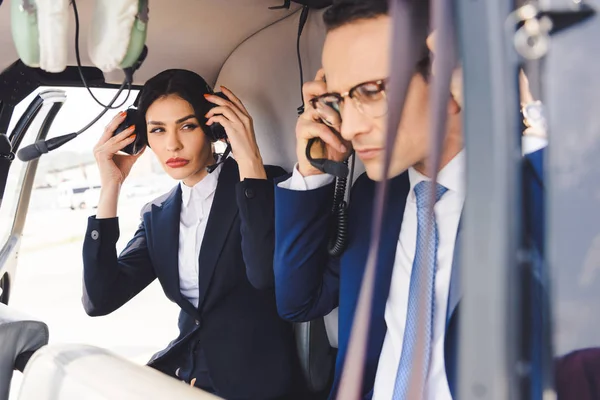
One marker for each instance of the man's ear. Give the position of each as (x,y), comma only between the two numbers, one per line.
(453,106)
(431,42)
(456,86)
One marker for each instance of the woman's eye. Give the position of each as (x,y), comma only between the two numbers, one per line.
(156,130)
(189,127)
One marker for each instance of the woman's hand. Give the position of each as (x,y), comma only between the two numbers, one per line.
(113,167)
(238,124)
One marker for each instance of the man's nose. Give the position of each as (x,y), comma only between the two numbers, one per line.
(354,122)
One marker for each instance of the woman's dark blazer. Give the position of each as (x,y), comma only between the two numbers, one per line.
(249,350)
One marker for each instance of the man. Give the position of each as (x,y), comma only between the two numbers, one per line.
(309,284)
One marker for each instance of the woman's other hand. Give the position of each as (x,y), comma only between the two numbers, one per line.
(237,122)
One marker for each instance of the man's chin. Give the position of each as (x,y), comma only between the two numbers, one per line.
(375,171)
(374,174)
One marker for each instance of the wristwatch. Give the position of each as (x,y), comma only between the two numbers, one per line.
(534,117)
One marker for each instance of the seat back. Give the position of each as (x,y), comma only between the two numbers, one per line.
(80,372)
(317,357)
(270,88)
(19,335)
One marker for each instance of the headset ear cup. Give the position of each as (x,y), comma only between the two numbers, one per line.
(217,132)
(137,40)
(118,33)
(25,32)
(53,24)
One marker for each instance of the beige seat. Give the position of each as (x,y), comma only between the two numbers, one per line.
(270,85)
(20,335)
(81,372)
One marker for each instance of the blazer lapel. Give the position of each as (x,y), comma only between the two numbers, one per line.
(165,240)
(222,215)
(396,203)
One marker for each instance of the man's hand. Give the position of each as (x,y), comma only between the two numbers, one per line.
(310,126)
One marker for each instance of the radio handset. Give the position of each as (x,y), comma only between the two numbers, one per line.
(339,239)
(335,168)
(337,243)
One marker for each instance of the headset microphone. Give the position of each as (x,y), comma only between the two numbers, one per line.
(40,147)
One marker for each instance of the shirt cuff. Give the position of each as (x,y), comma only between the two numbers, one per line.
(300,183)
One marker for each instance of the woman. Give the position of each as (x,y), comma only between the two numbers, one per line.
(209,241)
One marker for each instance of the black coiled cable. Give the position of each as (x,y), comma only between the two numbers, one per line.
(339,238)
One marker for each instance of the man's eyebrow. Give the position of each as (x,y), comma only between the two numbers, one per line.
(180,120)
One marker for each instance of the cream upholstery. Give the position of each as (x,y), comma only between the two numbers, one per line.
(19,334)
(263,72)
(80,372)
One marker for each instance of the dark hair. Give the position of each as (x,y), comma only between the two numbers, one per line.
(344,12)
(188,85)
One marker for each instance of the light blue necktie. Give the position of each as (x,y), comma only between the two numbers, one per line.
(422,283)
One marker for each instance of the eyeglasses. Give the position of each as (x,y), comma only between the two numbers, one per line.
(369,99)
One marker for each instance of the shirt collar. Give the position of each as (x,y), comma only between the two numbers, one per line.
(452,176)
(201,190)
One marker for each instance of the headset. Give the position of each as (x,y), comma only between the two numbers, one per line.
(116,38)
(215,131)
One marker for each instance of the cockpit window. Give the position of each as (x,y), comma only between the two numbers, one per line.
(65,193)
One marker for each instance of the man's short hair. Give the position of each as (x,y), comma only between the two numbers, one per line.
(344,12)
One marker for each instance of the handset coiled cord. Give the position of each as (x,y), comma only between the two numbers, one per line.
(339,238)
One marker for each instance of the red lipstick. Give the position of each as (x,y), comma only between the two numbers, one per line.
(177,162)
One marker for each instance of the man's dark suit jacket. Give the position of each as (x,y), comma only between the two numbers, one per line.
(309,284)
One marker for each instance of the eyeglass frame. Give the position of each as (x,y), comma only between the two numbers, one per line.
(381,83)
